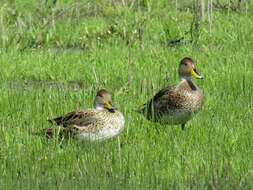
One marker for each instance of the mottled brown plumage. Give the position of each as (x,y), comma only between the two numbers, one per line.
(100,123)
(175,105)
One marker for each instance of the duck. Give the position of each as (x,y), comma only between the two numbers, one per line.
(177,104)
(95,124)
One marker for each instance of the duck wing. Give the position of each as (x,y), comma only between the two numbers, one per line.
(78,118)
(165,100)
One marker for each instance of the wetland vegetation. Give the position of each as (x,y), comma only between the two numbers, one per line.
(55,55)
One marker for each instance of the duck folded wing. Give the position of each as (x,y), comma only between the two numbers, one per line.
(79,118)
(167,99)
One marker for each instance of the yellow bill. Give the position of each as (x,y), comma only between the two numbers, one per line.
(195,74)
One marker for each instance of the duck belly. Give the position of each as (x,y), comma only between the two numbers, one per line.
(176,117)
(101,135)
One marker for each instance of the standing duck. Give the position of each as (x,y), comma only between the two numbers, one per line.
(97,124)
(175,105)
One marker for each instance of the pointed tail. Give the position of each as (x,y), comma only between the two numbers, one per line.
(56,121)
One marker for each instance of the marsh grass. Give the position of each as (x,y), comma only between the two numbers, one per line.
(114,39)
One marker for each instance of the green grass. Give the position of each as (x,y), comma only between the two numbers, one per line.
(39,67)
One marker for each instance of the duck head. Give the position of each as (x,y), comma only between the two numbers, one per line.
(103,100)
(187,69)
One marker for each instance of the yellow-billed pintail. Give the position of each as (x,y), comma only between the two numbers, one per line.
(100,123)
(177,104)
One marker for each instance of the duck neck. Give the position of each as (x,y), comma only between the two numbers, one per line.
(188,80)
(98,106)
(185,78)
